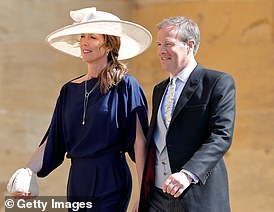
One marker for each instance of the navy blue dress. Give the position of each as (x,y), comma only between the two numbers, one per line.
(99,173)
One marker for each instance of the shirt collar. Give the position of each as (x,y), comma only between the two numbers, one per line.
(185,73)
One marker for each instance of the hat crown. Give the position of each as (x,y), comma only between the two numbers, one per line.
(91,14)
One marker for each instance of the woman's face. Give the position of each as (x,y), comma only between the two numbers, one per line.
(93,49)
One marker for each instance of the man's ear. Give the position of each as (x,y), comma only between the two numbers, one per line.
(191,44)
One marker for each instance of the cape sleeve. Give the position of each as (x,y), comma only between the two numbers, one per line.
(136,105)
(55,148)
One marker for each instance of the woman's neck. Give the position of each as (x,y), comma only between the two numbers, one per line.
(94,70)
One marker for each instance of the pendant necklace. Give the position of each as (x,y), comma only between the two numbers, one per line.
(86,99)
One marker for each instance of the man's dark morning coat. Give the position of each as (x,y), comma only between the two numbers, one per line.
(199,135)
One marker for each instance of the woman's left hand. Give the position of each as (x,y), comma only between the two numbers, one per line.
(136,206)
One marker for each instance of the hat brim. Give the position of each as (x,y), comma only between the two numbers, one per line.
(135,39)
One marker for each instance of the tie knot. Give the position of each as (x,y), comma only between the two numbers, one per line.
(173,81)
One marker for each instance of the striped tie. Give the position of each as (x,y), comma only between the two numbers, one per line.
(170,101)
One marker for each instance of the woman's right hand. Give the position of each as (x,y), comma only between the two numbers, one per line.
(23,183)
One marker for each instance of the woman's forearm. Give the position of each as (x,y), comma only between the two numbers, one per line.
(140,150)
(36,161)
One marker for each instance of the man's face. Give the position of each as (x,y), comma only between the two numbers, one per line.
(172,52)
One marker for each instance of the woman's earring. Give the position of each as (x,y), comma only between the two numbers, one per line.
(114,72)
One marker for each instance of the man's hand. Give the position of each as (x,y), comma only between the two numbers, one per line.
(176,184)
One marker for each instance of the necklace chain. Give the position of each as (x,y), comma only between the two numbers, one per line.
(86,99)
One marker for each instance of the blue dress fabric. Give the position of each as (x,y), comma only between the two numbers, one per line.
(99,172)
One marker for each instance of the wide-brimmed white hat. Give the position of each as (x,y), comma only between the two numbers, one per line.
(135,39)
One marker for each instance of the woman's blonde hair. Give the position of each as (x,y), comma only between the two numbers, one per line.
(115,70)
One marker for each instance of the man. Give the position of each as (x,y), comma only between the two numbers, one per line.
(191,128)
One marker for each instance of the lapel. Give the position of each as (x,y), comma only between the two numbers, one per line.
(159,92)
(191,85)
(158,95)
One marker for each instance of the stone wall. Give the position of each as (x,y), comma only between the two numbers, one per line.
(236,37)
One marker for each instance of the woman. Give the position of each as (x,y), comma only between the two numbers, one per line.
(98,116)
